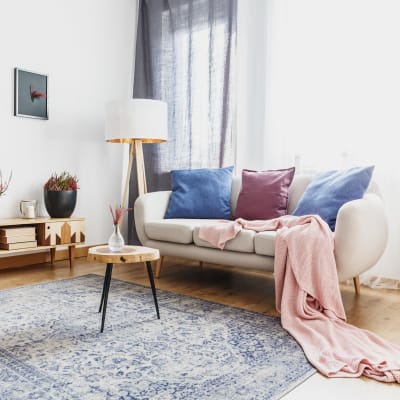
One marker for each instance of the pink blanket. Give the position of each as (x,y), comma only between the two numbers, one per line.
(308,298)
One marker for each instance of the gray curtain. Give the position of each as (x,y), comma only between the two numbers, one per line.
(185,56)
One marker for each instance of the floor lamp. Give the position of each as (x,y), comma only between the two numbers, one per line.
(136,121)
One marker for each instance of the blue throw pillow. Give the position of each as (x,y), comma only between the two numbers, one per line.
(201,193)
(328,191)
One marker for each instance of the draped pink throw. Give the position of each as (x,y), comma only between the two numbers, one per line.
(308,298)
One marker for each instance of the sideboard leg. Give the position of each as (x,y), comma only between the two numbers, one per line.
(71,252)
(52,256)
(357,286)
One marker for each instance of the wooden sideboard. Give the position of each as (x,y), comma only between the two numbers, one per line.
(50,233)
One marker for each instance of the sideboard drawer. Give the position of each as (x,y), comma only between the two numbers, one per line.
(61,232)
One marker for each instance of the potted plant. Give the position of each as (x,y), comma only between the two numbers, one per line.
(60,192)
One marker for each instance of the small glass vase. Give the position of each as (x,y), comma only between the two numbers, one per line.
(116,241)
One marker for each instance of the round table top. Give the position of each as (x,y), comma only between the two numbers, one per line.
(128,254)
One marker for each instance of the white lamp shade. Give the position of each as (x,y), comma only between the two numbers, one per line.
(136,119)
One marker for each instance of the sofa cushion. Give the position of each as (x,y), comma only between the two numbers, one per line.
(264,194)
(174,230)
(243,242)
(329,190)
(201,193)
(264,243)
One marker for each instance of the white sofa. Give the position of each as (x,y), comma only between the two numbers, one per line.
(360,235)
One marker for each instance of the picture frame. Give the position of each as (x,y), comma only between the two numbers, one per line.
(30,94)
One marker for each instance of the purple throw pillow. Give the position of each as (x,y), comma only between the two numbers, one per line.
(264,194)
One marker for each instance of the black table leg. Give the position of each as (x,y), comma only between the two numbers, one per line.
(102,293)
(153,287)
(104,296)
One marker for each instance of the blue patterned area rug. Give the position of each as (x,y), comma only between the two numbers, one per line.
(51,346)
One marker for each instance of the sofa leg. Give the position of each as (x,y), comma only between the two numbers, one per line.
(158,267)
(356,281)
(201,265)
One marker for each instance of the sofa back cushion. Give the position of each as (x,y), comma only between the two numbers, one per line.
(296,190)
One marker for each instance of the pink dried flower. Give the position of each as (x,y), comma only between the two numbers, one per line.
(4,184)
(118,213)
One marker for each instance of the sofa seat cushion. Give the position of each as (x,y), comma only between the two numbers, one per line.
(243,242)
(264,243)
(177,230)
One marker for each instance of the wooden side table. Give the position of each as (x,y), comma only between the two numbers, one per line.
(129,254)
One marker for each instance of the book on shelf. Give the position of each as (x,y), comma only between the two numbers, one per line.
(17,231)
(20,245)
(17,239)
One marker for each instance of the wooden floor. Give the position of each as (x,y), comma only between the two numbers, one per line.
(377,310)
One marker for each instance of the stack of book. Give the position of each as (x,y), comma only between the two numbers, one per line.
(18,238)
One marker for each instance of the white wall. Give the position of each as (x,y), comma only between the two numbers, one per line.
(86,48)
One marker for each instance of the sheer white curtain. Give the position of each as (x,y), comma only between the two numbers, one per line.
(320,85)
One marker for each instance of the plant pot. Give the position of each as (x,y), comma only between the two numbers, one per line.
(60,204)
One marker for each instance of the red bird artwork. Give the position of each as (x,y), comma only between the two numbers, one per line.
(36,94)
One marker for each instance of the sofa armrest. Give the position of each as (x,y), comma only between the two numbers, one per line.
(149,207)
(360,236)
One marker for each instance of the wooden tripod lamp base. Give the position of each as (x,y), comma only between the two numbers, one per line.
(136,147)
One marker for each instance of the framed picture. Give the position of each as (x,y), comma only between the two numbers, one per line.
(30,94)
